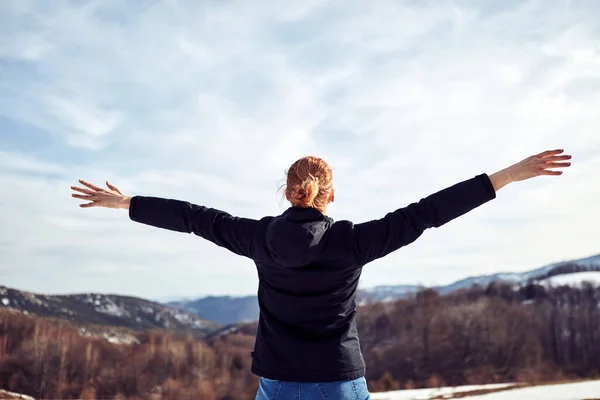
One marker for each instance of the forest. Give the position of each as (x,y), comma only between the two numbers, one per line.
(493,334)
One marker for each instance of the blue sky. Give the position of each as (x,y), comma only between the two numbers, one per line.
(211,101)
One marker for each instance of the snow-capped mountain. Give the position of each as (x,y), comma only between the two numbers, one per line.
(385,293)
(536,275)
(576,279)
(107,310)
(232,310)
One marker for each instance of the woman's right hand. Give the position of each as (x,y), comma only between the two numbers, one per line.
(99,197)
(540,164)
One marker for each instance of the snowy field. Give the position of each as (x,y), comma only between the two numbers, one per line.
(569,391)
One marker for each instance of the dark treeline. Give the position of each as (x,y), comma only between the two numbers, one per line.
(481,335)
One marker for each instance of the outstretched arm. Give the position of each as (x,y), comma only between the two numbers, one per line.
(375,239)
(233,233)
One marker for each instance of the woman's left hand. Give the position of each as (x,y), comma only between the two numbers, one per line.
(542,164)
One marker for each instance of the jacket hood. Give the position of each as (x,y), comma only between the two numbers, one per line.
(296,237)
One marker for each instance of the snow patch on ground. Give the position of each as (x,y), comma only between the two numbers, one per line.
(84,332)
(67,311)
(147,310)
(186,319)
(110,308)
(119,339)
(567,391)
(4,394)
(110,337)
(425,394)
(5,301)
(199,324)
(33,299)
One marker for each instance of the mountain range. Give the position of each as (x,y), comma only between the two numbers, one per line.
(230,309)
(105,310)
(213,314)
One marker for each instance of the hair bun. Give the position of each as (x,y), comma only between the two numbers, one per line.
(305,195)
(309,183)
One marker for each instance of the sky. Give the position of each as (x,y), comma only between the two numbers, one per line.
(211,101)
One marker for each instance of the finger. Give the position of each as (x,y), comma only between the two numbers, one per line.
(557,158)
(111,187)
(87,205)
(81,196)
(91,186)
(550,172)
(550,153)
(82,190)
(557,165)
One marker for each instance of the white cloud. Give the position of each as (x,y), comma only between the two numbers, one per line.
(212,102)
(86,124)
(15,162)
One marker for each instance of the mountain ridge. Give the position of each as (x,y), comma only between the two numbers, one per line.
(105,309)
(245,308)
(209,314)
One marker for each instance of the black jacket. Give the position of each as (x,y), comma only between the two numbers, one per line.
(308,268)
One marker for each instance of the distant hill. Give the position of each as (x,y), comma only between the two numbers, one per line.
(536,275)
(106,310)
(232,310)
(221,309)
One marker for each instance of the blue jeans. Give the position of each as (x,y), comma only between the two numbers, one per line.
(343,390)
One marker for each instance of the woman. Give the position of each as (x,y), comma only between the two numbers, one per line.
(307,345)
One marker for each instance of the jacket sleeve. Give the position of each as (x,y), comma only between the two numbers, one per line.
(233,233)
(377,238)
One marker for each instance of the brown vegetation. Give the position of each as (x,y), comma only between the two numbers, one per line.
(481,335)
(49,359)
